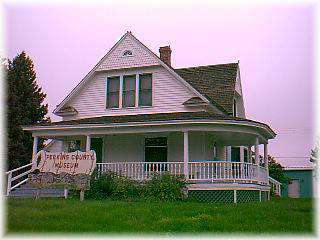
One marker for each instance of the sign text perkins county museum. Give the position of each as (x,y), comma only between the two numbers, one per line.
(72,163)
(71,170)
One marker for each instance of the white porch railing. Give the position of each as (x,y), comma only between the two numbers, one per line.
(141,170)
(16,175)
(276,185)
(198,171)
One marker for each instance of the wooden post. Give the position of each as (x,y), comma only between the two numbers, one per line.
(34,152)
(265,155)
(186,154)
(81,195)
(259,195)
(256,151)
(88,143)
(65,193)
(37,193)
(249,154)
(9,183)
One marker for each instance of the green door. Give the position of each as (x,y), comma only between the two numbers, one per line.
(97,146)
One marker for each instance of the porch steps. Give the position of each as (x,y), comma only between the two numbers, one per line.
(26,191)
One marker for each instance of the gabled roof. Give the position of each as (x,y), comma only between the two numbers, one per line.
(95,68)
(215,82)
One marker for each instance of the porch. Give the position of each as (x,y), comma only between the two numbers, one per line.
(201,157)
(210,152)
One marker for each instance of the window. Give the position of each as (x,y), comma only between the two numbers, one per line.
(235,154)
(234,108)
(155,149)
(129,91)
(127,53)
(74,146)
(145,90)
(113,84)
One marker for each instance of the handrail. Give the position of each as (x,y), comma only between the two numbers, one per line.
(10,178)
(276,184)
(275,181)
(197,170)
(16,169)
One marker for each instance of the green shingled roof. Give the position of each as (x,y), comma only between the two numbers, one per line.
(215,82)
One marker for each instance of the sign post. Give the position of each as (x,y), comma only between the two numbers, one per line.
(60,169)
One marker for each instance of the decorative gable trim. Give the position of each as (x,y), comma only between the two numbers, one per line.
(96,68)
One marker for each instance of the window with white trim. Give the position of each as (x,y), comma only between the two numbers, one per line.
(145,89)
(113,86)
(135,86)
(129,91)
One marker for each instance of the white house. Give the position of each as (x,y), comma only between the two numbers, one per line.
(142,116)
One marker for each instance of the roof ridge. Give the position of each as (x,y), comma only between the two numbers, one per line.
(211,65)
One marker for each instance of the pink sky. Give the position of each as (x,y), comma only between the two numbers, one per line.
(273,43)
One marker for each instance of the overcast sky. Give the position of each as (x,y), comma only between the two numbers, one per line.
(273,43)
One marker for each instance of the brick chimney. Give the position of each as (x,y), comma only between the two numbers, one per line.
(165,54)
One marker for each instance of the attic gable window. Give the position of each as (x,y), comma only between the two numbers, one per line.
(127,53)
(113,86)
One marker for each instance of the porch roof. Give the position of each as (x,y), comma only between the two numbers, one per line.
(159,118)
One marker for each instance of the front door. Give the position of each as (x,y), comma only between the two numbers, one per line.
(294,189)
(97,146)
(155,150)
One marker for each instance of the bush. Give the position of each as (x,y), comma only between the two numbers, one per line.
(165,187)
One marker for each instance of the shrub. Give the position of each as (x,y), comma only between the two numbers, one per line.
(166,187)
(102,185)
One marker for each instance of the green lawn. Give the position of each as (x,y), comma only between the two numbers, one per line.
(59,215)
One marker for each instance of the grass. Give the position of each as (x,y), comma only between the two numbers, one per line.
(63,216)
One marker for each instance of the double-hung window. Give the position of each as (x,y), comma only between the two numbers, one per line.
(129,91)
(145,90)
(113,86)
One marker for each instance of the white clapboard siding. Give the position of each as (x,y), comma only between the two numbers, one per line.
(140,56)
(168,95)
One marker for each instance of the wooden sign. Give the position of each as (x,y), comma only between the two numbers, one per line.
(73,163)
(61,169)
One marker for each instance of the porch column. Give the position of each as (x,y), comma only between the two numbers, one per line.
(256,151)
(229,153)
(265,155)
(88,143)
(249,154)
(34,152)
(186,154)
(241,154)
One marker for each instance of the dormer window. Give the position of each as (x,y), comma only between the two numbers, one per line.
(145,90)
(113,86)
(234,107)
(128,91)
(127,53)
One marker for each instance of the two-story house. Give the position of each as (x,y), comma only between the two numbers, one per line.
(142,116)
